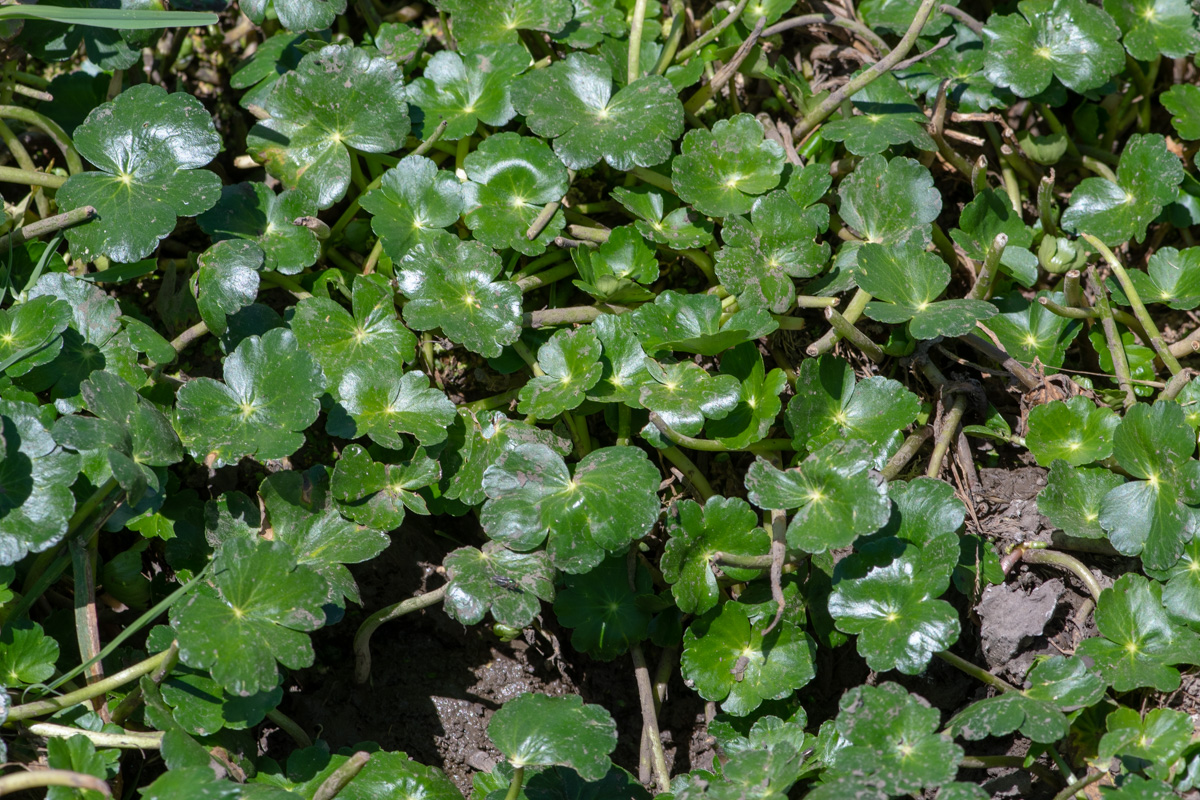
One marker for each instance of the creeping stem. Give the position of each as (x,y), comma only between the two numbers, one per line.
(362,639)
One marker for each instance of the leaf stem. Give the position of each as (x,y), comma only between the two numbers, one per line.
(29,177)
(1116,347)
(866,34)
(362,639)
(846,330)
(340,778)
(655,179)
(834,101)
(114,681)
(949,430)
(911,446)
(678,23)
(495,401)
(37,778)
(545,278)
(854,310)
(127,740)
(1047,207)
(624,419)
(290,727)
(51,129)
(634,61)
(982,289)
(690,471)
(43,227)
(725,73)
(1074,789)
(1065,562)
(979,673)
(1136,304)
(514,785)
(712,33)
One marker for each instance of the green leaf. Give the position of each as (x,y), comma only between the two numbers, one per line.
(1181,592)
(534,730)
(720,171)
(35,484)
(662,220)
(376,495)
(450,286)
(259,610)
(27,654)
(1074,496)
(836,497)
(464,90)
(753,417)
(889,736)
(1183,101)
(691,323)
(762,255)
(697,533)
(252,211)
(1172,277)
(571,361)
(1153,28)
(1071,40)
(196,783)
(896,16)
(414,203)
(337,98)
(593,21)
(1148,177)
(227,281)
(268,399)
(1028,330)
(1138,642)
(147,146)
(1056,685)
(605,614)
(830,404)
(1140,357)
(511,178)
(509,585)
(484,22)
(889,117)
(385,403)
(296,15)
(873,193)
(685,394)
(989,214)
(1076,431)
(76,754)
(889,606)
(909,281)
(203,707)
(480,444)
(572,101)
(960,63)
(623,361)
(128,430)
(367,338)
(1150,516)
(609,501)
(301,514)
(1151,744)
(395,775)
(624,256)
(31,333)
(731,662)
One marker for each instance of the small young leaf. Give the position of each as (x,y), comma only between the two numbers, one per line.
(753,417)
(732,662)
(691,323)
(697,532)
(376,495)
(511,178)
(571,361)
(509,585)
(1074,496)
(464,90)
(534,730)
(609,501)
(268,399)
(1148,177)
(989,214)
(259,611)
(889,202)
(492,22)
(1028,331)
(1071,40)
(1076,431)
(572,101)
(662,220)
(837,498)
(227,281)
(1138,642)
(1152,744)
(147,146)
(603,611)
(27,655)
(720,172)
(889,117)
(762,255)
(337,98)
(685,394)
(30,333)
(383,404)
(252,211)
(414,202)
(450,285)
